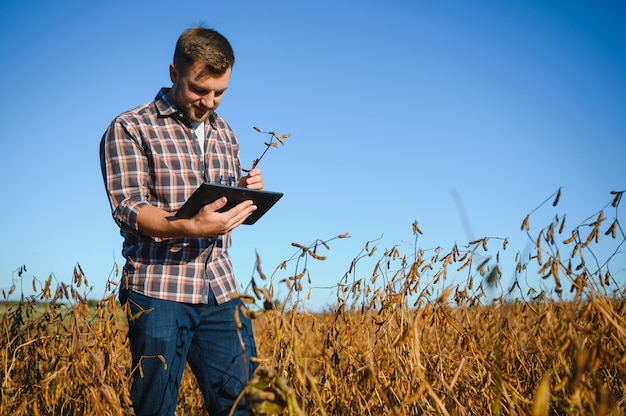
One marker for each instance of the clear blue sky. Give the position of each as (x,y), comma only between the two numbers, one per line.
(398,110)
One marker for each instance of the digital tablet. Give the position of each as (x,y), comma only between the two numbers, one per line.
(209,192)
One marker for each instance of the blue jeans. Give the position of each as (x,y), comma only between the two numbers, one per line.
(203,335)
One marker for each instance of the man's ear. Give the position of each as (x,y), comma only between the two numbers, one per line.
(173,74)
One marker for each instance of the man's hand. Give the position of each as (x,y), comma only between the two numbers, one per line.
(209,222)
(155,222)
(253,180)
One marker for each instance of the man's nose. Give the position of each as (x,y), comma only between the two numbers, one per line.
(208,101)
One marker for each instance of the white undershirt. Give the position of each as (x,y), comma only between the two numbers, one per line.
(199,130)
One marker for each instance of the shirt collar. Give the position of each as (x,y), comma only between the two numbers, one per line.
(167,109)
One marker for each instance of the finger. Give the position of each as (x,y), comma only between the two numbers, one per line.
(241,215)
(255,182)
(244,209)
(259,185)
(217,204)
(253,172)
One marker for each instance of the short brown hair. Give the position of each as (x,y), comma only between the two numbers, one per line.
(203,45)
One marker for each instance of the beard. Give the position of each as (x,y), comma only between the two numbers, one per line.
(196,114)
(191,111)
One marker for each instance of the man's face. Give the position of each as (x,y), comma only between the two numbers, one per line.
(196,93)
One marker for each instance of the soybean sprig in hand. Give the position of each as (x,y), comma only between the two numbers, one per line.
(279,138)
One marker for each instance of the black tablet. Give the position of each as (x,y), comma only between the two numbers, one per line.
(209,192)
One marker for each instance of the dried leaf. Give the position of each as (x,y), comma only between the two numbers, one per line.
(558,196)
(258,267)
(618,196)
(572,238)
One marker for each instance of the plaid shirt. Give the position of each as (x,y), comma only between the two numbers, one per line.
(149,155)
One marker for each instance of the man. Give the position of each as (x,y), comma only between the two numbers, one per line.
(178,271)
